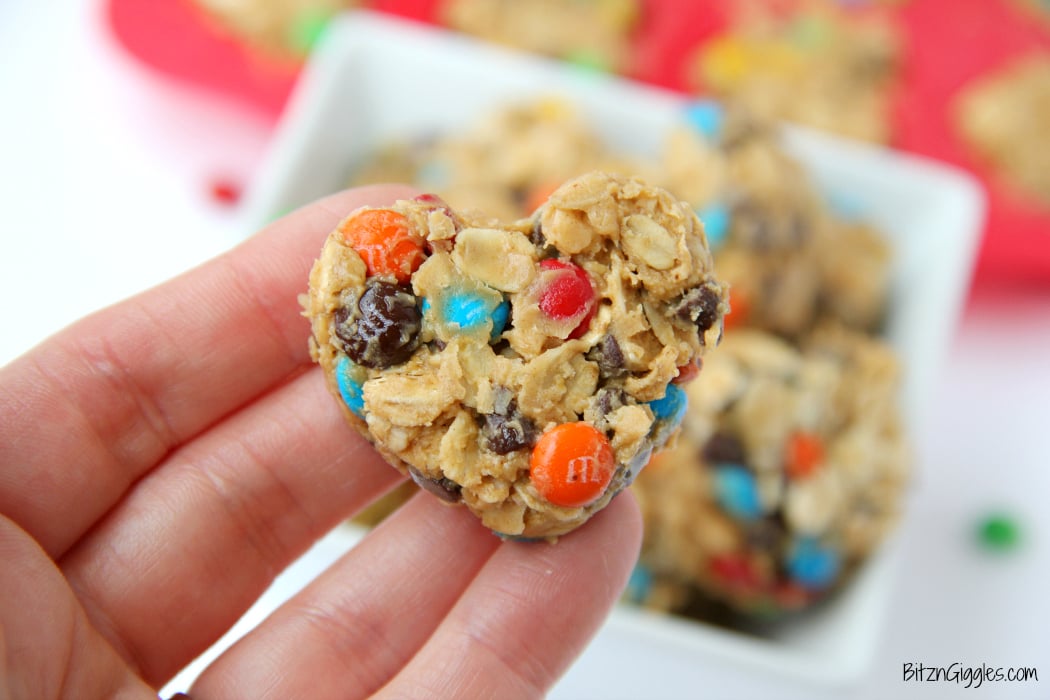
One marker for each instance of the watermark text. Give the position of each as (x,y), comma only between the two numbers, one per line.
(966,675)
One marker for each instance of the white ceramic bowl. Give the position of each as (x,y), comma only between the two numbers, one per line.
(376,79)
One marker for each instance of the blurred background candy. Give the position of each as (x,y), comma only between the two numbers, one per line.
(1003,118)
(819,63)
(592,33)
(889,71)
(791,468)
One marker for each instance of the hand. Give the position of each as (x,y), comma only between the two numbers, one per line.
(163,460)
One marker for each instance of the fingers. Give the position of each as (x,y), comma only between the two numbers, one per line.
(47,647)
(177,562)
(426,608)
(351,630)
(528,614)
(96,406)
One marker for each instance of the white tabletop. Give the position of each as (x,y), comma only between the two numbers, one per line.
(104,179)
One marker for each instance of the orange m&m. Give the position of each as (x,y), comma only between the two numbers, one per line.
(539,195)
(805,452)
(385,241)
(739,308)
(572,464)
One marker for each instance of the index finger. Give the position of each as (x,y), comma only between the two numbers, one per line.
(90,410)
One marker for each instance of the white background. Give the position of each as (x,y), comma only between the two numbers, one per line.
(104,175)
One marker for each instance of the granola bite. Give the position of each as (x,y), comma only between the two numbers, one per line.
(1002,119)
(790,469)
(791,260)
(595,32)
(525,370)
(821,64)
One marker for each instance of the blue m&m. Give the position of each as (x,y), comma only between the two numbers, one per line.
(737,491)
(349,388)
(639,585)
(845,204)
(707,117)
(813,565)
(463,311)
(434,174)
(671,406)
(500,316)
(668,412)
(716,219)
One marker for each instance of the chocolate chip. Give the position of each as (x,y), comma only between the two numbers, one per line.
(536,236)
(699,306)
(766,534)
(520,195)
(343,319)
(505,434)
(507,429)
(384,331)
(608,399)
(609,357)
(444,488)
(502,346)
(764,230)
(503,401)
(724,448)
(539,240)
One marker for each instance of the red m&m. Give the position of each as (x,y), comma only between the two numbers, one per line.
(567,295)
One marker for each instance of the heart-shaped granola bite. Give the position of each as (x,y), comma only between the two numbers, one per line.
(526,370)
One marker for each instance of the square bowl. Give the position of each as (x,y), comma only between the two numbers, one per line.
(375,79)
